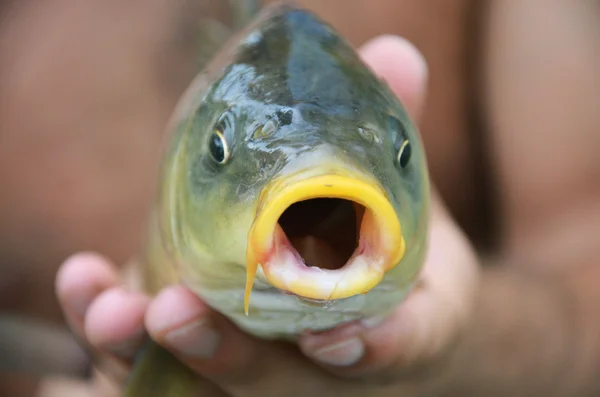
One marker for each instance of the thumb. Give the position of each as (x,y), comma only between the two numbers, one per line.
(402,66)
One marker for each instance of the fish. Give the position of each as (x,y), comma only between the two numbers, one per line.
(293,191)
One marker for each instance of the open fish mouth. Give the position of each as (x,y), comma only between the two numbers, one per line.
(323,237)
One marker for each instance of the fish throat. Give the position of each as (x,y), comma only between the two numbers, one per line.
(325,232)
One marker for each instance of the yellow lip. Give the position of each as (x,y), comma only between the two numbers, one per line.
(380,231)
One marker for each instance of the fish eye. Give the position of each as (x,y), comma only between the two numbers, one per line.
(218,148)
(217,144)
(403,146)
(404,154)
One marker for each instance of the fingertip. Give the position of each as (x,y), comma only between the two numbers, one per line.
(357,349)
(85,267)
(402,65)
(115,321)
(182,323)
(341,347)
(172,308)
(80,279)
(203,339)
(391,52)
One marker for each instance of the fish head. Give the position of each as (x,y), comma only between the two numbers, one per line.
(297,167)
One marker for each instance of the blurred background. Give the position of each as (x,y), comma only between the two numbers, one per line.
(87,86)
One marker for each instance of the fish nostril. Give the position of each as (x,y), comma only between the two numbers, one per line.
(285,116)
(369,134)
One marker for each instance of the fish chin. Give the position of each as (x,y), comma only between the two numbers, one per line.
(278,315)
(305,220)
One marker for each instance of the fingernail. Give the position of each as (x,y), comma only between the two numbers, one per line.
(342,354)
(197,339)
(127,348)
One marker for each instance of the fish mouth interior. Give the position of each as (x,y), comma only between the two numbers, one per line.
(324,231)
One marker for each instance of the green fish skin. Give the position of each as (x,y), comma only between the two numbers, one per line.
(287,94)
(157,373)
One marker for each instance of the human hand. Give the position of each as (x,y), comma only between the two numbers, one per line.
(410,352)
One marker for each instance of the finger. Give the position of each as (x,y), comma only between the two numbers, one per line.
(115,322)
(404,68)
(80,279)
(422,327)
(240,364)
(103,319)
